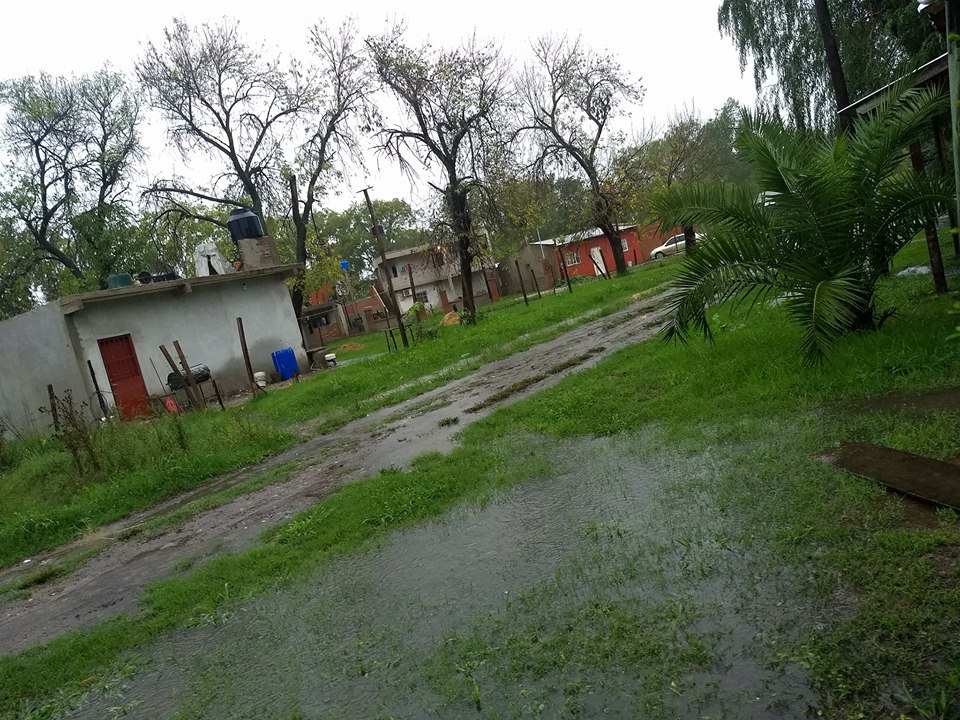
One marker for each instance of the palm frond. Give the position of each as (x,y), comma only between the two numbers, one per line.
(824,306)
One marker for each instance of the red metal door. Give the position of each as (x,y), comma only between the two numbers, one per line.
(126,380)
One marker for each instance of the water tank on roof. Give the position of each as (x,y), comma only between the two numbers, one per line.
(244,224)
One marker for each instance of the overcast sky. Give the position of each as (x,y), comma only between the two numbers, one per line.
(673,48)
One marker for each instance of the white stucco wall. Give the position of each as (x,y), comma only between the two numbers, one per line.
(204,321)
(36,349)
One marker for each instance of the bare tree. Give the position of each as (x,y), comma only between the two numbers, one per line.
(222,98)
(450,107)
(41,134)
(340,99)
(571,96)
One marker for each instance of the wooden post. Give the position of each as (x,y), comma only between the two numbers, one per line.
(393,337)
(191,380)
(930,229)
(486,281)
(566,273)
(536,285)
(246,359)
(523,289)
(597,266)
(377,231)
(176,371)
(386,337)
(54,410)
(96,386)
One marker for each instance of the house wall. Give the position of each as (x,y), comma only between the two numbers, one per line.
(36,349)
(204,321)
(541,259)
(640,242)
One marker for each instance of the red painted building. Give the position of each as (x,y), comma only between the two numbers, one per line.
(584,251)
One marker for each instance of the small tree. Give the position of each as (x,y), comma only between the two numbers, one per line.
(451,105)
(830,216)
(571,97)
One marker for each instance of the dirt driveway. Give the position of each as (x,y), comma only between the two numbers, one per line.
(113,581)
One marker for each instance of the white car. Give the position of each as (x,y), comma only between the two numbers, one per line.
(674,246)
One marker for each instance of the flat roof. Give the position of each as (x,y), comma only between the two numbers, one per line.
(74,303)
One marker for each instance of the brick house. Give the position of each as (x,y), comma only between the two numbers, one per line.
(586,250)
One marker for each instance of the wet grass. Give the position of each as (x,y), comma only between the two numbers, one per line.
(45,501)
(356,389)
(158,524)
(886,632)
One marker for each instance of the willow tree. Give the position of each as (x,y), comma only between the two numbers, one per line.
(451,106)
(795,69)
(572,98)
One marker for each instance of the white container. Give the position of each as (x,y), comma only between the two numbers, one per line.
(260,378)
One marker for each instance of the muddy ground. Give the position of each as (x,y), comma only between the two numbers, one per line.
(113,581)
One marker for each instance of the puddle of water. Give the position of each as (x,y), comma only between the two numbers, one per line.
(590,592)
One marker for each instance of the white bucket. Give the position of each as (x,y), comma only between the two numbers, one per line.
(260,378)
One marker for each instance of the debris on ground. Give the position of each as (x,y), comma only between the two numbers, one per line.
(351,347)
(451,318)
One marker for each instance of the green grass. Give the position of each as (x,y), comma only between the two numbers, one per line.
(915,252)
(45,501)
(749,400)
(373,344)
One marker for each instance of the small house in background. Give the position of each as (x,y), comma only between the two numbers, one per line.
(588,252)
(430,275)
(537,261)
(110,339)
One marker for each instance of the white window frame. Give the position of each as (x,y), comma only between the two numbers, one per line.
(575,254)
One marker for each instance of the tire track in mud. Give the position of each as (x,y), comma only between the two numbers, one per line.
(113,581)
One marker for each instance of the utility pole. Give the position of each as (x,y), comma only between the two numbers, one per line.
(377,231)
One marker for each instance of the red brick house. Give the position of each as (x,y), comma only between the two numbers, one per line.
(585,250)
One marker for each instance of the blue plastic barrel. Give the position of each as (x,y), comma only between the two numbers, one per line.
(285,361)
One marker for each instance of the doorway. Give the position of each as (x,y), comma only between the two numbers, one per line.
(599,266)
(126,380)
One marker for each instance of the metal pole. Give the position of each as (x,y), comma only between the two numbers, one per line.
(378,234)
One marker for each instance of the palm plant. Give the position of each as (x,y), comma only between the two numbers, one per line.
(831,213)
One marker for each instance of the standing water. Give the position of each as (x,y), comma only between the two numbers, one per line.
(610,588)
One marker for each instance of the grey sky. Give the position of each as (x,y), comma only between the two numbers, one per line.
(674,48)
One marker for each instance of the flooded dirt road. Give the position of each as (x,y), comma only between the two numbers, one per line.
(112,582)
(587,592)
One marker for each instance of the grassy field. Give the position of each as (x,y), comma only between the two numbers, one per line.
(750,403)
(45,500)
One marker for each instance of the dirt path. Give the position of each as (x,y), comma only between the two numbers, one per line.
(113,581)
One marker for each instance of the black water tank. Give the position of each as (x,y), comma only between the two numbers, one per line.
(244,224)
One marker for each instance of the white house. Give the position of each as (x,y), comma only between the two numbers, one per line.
(436,278)
(112,337)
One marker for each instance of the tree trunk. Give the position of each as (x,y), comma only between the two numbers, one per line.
(300,227)
(609,228)
(834,65)
(930,229)
(689,239)
(458,206)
